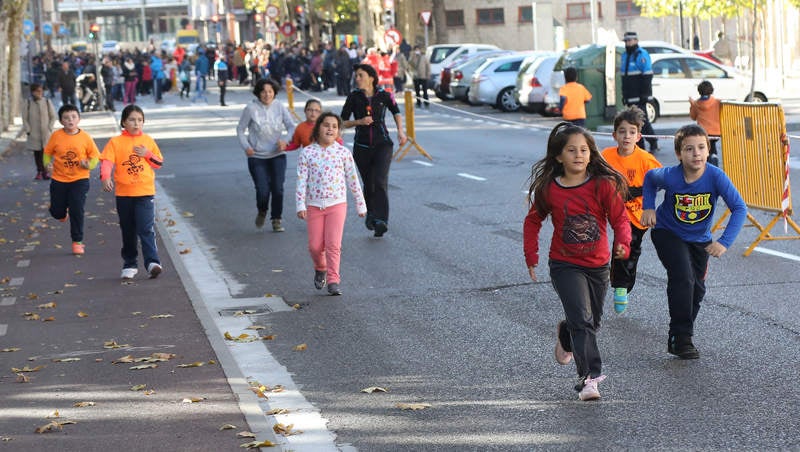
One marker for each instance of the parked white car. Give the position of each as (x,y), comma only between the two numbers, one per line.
(461,75)
(440,55)
(494,82)
(533,80)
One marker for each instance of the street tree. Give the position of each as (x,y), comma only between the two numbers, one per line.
(439,21)
(12,13)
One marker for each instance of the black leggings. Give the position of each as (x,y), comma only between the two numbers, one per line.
(373,166)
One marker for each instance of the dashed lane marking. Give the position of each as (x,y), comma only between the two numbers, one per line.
(8,301)
(470,176)
(24,263)
(3,329)
(791,257)
(16,281)
(423,163)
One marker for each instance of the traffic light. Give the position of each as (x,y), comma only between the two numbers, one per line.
(94,32)
(388,18)
(215,18)
(301,15)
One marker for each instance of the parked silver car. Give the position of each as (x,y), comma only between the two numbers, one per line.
(495,80)
(533,80)
(461,74)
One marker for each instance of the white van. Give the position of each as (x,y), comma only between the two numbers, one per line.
(440,55)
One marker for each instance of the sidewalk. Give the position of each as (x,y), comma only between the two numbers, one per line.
(66,322)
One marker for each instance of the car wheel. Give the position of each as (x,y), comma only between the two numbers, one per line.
(441,95)
(757,97)
(651,110)
(507,101)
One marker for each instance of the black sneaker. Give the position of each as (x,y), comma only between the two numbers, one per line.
(333,289)
(369,222)
(319,279)
(682,347)
(380,228)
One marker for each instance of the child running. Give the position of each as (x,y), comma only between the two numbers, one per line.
(69,156)
(302,133)
(682,229)
(581,192)
(705,111)
(133,156)
(632,162)
(325,170)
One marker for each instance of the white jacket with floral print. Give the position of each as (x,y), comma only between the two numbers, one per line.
(324,175)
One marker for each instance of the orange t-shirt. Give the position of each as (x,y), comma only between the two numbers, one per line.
(133,175)
(67,152)
(633,168)
(302,134)
(576,97)
(706,113)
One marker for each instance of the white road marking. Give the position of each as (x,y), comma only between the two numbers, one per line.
(16,281)
(791,257)
(8,301)
(470,176)
(3,329)
(23,263)
(210,290)
(422,162)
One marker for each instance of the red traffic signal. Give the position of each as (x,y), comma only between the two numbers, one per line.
(94,28)
(215,18)
(299,10)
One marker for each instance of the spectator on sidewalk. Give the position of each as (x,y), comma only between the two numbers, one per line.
(637,84)
(70,155)
(574,98)
(128,166)
(107,76)
(221,73)
(344,71)
(705,111)
(201,68)
(421,74)
(131,79)
(38,119)
(67,85)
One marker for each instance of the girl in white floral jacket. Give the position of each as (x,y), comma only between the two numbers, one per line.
(325,170)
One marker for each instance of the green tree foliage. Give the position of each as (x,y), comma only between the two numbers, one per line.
(703,9)
(258,6)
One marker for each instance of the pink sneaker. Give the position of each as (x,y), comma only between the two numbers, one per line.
(590,391)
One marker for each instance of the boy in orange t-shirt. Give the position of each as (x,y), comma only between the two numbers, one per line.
(69,156)
(632,162)
(705,111)
(133,156)
(574,98)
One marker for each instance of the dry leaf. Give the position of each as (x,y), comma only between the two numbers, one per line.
(82,314)
(161,316)
(33,296)
(31,316)
(22,378)
(70,285)
(276,411)
(227,427)
(113,345)
(256,444)
(144,366)
(162,356)
(412,406)
(52,415)
(300,348)
(52,425)
(193,399)
(50,305)
(65,360)
(245,434)
(83,404)
(49,319)
(171,222)
(372,389)
(285,430)
(188,214)
(268,337)
(124,359)
(11,349)
(136,313)
(256,327)
(185,251)
(149,392)
(296,306)
(194,364)
(138,387)
(28,369)
(5,439)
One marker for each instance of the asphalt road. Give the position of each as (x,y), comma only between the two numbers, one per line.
(441,310)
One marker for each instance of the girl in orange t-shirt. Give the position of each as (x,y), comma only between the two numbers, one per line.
(133,156)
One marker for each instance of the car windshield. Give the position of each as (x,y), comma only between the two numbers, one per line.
(703,69)
(440,53)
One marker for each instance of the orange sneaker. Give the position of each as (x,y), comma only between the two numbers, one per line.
(78,248)
(66,217)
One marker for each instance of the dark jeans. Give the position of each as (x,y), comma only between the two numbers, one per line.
(686,264)
(582,292)
(268,176)
(69,196)
(623,271)
(137,220)
(69,98)
(38,158)
(109,97)
(373,166)
(421,84)
(647,129)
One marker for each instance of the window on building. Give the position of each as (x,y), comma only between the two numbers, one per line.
(454,18)
(490,16)
(582,11)
(525,14)
(628,8)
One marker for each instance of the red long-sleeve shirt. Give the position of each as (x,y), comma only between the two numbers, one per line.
(579,216)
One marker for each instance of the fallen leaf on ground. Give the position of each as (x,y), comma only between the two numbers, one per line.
(83,404)
(245,434)
(268,337)
(138,387)
(11,349)
(256,327)
(193,399)
(257,444)
(227,427)
(412,406)
(144,366)
(124,359)
(49,319)
(27,369)
(188,214)
(296,306)
(5,439)
(240,338)
(300,348)
(113,345)
(185,251)
(136,313)
(372,389)
(194,364)
(65,360)
(52,425)
(50,305)
(22,378)
(275,411)
(31,316)
(70,285)
(161,316)
(149,392)
(52,415)
(32,296)
(171,222)
(164,356)
(82,314)
(285,430)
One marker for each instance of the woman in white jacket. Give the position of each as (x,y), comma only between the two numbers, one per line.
(260,130)
(38,119)
(325,170)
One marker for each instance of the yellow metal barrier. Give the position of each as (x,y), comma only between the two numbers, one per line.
(755,155)
(410,132)
(290,98)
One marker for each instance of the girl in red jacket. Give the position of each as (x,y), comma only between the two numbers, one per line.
(575,186)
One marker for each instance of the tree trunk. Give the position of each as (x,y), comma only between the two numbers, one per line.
(14,12)
(439,22)
(4,115)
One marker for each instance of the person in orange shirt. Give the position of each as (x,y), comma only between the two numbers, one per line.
(705,111)
(574,98)
(133,158)
(302,133)
(632,162)
(69,156)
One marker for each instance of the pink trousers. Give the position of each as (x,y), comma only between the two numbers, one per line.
(325,230)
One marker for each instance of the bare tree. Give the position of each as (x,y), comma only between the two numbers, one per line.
(13,12)
(439,22)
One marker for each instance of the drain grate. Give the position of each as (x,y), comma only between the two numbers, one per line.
(244,310)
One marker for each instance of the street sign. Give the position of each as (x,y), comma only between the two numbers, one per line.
(426,16)
(287,29)
(272,11)
(392,36)
(272,27)
(27,26)
(47,28)
(63,30)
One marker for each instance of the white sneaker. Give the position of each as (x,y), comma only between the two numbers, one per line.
(129,273)
(154,269)
(590,391)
